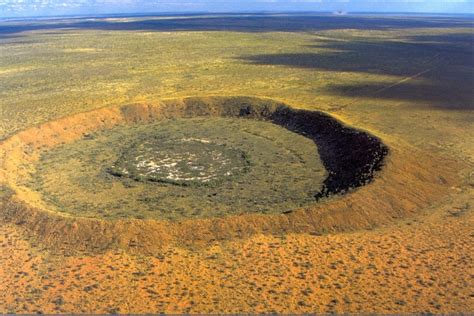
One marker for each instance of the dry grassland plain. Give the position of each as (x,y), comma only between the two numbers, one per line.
(407,80)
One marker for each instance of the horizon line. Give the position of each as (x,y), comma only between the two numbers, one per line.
(255,12)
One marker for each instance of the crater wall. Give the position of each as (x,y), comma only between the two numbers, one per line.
(357,194)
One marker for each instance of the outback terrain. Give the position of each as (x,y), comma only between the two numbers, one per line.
(237,163)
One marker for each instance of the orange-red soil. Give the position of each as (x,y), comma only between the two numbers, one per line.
(403,243)
(422,265)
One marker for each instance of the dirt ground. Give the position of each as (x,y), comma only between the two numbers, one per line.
(422,265)
(408,82)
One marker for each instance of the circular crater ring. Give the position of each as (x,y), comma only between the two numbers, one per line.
(351,156)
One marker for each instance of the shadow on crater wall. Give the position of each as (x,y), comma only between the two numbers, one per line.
(351,157)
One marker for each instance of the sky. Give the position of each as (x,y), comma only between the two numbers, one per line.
(23,8)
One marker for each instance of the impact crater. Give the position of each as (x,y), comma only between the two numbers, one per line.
(194,170)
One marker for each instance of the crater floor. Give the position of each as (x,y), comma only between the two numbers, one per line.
(180,161)
(181,168)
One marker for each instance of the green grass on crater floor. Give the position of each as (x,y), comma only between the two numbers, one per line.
(283,172)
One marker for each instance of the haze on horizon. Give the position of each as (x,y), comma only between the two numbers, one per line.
(31,8)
